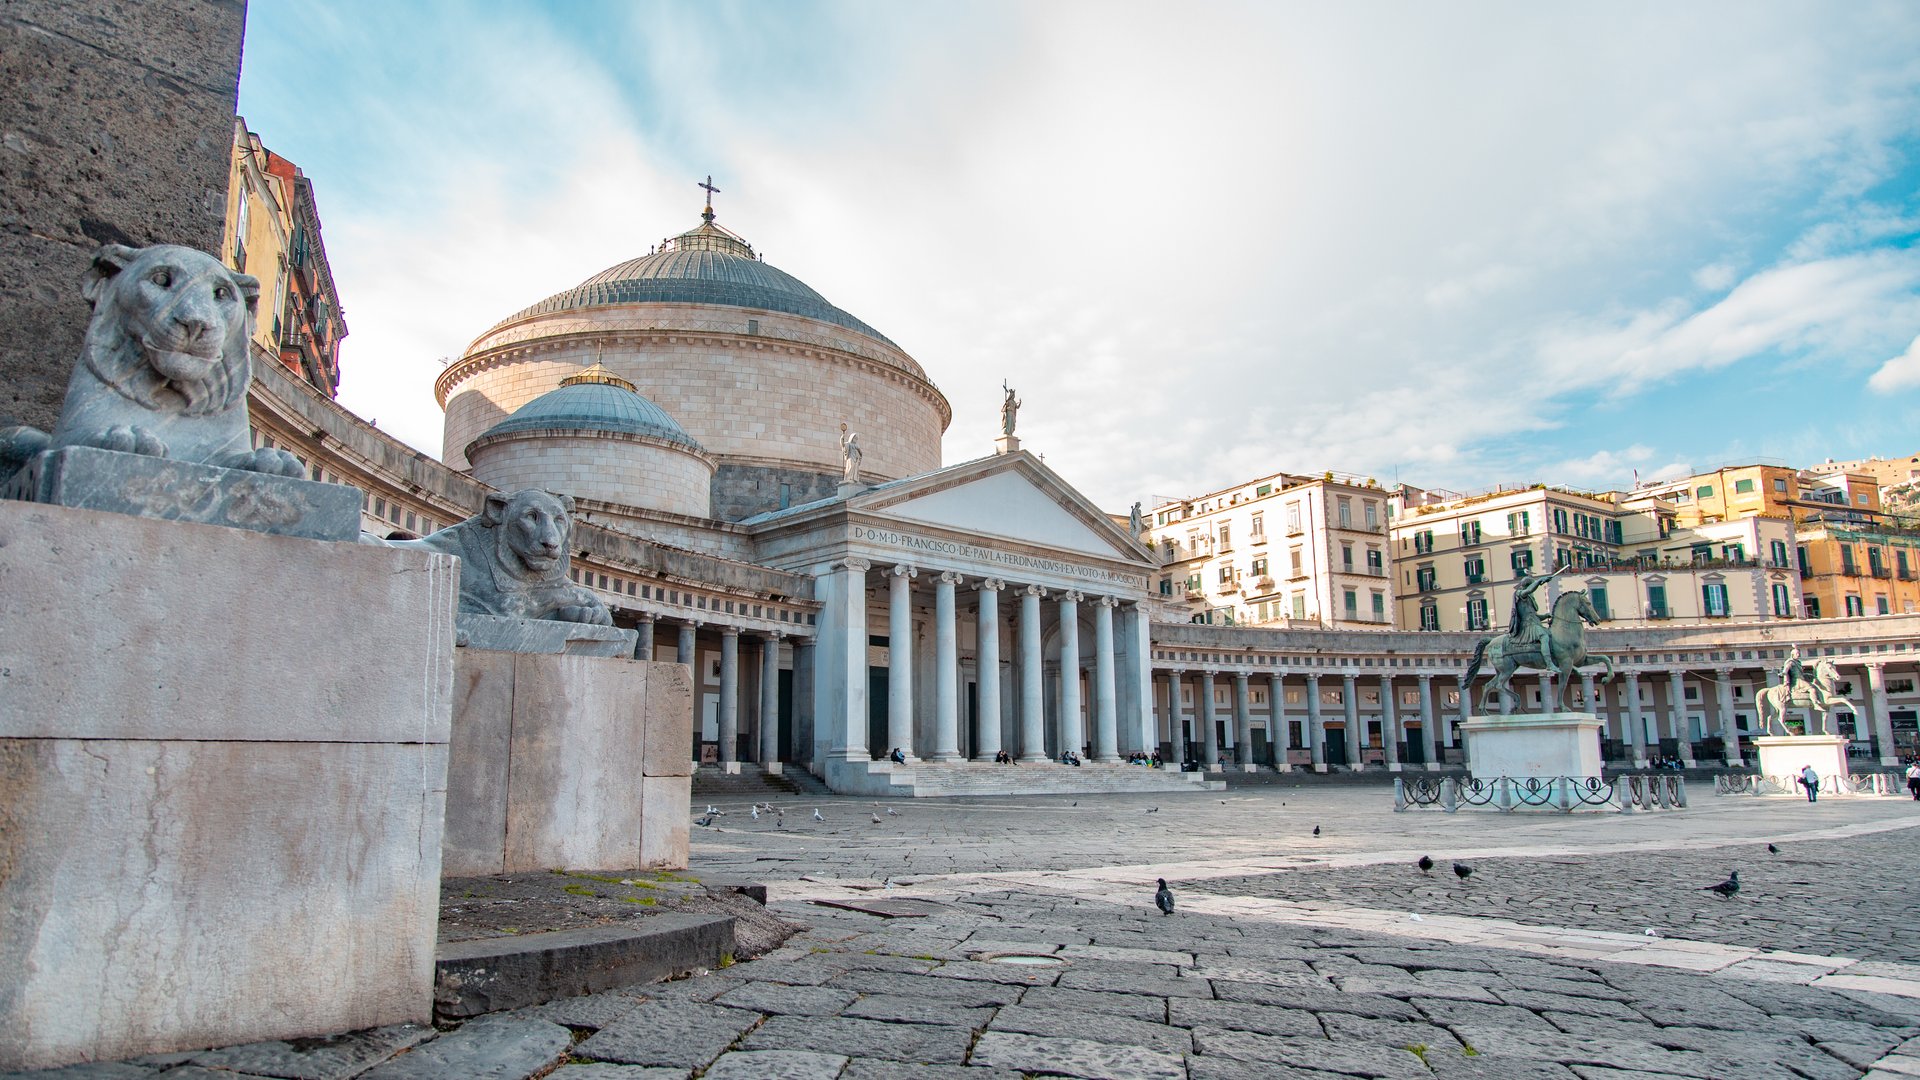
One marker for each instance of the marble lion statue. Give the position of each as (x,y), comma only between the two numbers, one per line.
(514,557)
(164,367)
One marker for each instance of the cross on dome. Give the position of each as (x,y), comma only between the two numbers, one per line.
(707,214)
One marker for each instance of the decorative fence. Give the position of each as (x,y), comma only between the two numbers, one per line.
(1868,783)
(1625,794)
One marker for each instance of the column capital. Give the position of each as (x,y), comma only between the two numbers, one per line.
(948,577)
(729,631)
(644,616)
(692,623)
(1071,596)
(1425,676)
(850,563)
(1242,676)
(903,570)
(991,585)
(1106,601)
(773,635)
(1032,590)
(1723,672)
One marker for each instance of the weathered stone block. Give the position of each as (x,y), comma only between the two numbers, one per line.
(222,818)
(493,974)
(503,634)
(89,479)
(664,822)
(478,752)
(669,719)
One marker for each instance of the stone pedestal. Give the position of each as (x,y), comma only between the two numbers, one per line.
(1006,444)
(1783,756)
(570,762)
(222,771)
(1533,745)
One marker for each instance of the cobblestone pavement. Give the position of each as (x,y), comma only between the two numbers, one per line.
(1290,956)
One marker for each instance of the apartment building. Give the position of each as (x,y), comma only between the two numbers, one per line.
(1284,550)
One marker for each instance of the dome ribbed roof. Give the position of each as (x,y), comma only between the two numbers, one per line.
(595,400)
(708,265)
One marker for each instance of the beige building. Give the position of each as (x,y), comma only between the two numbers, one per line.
(1283,550)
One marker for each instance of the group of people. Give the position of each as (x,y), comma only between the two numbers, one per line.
(1139,757)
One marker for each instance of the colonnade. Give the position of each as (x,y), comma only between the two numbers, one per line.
(1421,735)
(762,713)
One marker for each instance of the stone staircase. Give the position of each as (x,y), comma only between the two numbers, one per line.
(754,784)
(932,780)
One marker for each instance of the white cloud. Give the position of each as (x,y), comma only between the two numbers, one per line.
(1900,373)
(1716,277)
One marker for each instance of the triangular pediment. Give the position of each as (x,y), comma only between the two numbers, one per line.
(1011,497)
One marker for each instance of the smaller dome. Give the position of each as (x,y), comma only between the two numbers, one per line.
(595,400)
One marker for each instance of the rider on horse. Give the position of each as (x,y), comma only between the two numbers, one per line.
(1527,627)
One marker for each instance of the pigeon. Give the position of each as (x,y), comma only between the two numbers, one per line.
(1727,888)
(1415,916)
(1462,871)
(1651,932)
(1316,830)
(875,817)
(816,814)
(1155,810)
(891,812)
(887,884)
(1773,849)
(705,822)
(755,811)
(712,809)
(1426,864)
(1164,898)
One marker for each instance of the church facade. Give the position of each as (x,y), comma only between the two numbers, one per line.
(759,492)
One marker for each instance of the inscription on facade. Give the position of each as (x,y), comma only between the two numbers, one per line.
(977,554)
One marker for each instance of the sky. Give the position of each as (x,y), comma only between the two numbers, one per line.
(1453,245)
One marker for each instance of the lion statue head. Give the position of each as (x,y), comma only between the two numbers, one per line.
(170,327)
(530,532)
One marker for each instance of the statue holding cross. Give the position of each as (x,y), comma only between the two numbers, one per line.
(1009,409)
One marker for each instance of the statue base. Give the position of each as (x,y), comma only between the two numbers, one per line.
(1007,444)
(1535,745)
(84,478)
(1783,756)
(499,633)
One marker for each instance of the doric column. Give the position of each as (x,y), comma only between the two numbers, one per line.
(1586,693)
(643,645)
(683,651)
(1882,721)
(1316,729)
(1356,738)
(1033,716)
(840,669)
(1636,723)
(1429,752)
(1723,703)
(900,659)
(1389,724)
(769,698)
(1136,692)
(986,638)
(1677,691)
(1106,717)
(1206,717)
(1547,701)
(946,671)
(1070,735)
(729,694)
(804,655)
(1242,721)
(1176,738)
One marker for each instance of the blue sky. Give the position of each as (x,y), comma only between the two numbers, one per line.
(1458,244)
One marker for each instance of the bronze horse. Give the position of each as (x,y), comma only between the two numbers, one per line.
(1566,636)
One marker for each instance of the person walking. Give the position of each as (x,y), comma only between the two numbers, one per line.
(1913,778)
(1811,781)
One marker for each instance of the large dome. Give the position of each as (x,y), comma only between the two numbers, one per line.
(708,265)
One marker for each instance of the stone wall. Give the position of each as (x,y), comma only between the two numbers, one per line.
(741,491)
(116,122)
(627,471)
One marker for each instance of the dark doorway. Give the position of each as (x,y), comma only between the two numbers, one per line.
(1336,746)
(1416,754)
(877,713)
(784,717)
(1262,749)
(970,738)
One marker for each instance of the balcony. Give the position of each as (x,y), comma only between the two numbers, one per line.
(1229,587)
(1882,572)
(1298,575)
(1262,584)
(1906,575)
(1295,530)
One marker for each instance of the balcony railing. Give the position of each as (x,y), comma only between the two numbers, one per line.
(1882,572)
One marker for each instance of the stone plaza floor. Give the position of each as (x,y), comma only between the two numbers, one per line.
(1582,946)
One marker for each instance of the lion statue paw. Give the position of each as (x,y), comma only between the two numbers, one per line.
(267,460)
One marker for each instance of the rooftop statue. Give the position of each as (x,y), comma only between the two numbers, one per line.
(850,455)
(1009,410)
(163,370)
(514,557)
(1556,643)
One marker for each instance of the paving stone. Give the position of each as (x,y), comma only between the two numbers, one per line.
(1540,1001)
(810,972)
(775,1065)
(884,962)
(1225,1068)
(1240,1016)
(1702,1007)
(1271,973)
(1115,982)
(917,1010)
(1151,1009)
(1592,988)
(332,1057)
(1165,957)
(1609,1052)
(1412,986)
(603,1071)
(590,1011)
(1011,974)
(1450,1064)
(1323,1054)
(777,999)
(488,1048)
(930,1043)
(103,1070)
(201,1072)
(1450,1013)
(1345,1027)
(685,1034)
(1076,1057)
(895,1070)
(1097,1027)
(960,991)
(1776,999)
(1328,1000)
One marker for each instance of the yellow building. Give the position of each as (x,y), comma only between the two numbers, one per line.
(254,237)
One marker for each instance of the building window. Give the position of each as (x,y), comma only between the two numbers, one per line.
(1380,607)
(1742,487)
(1900,563)
(1779,550)
(1705,491)
(1469,532)
(1346,513)
(1293,562)
(1880,604)
(1780,484)
(1854,606)
(1598,595)
(1424,578)
(1423,542)
(1167,545)
(1376,564)
(1299,605)
(1226,574)
(1520,522)
(1346,557)
(1714,596)
(1262,490)
(1226,537)
(1259,526)
(1476,568)
(1260,566)
(1656,601)
(1782,601)
(1846,560)
(1876,563)
(1293,518)
(1476,614)
(1353,604)
(1522,562)
(1372,512)
(1429,616)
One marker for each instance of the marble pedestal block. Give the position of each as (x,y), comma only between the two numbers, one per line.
(501,633)
(1783,756)
(222,771)
(567,762)
(1533,745)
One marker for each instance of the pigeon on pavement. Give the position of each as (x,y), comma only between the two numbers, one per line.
(1773,849)
(1728,888)
(875,817)
(1164,898)
(755,811)
(816,814)
(1316,830)
(891,812)
(1426,864)
(1462,871)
